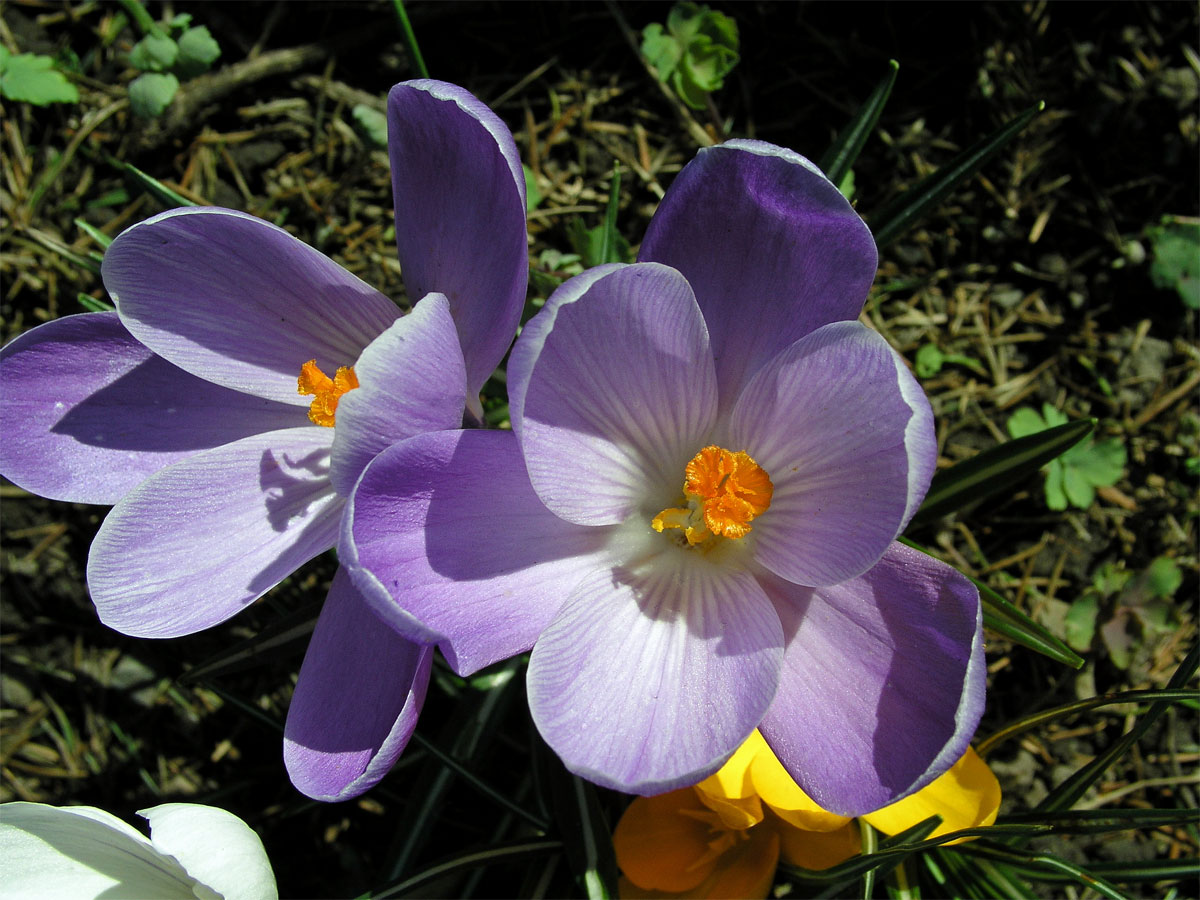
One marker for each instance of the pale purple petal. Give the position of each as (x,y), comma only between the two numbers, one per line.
(87,413)
(357,700)
(883,681)
(449,544)
(770,246)
(846,435)
(651,676)
(615,392)
(239,301)
(460,214)
(411,380)
(202,539)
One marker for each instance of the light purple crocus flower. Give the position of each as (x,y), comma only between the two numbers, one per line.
(693,521)
(182,408)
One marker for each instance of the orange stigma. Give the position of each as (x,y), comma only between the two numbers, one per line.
(328,390)
(724,491)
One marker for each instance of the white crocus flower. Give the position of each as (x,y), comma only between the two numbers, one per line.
(194,851)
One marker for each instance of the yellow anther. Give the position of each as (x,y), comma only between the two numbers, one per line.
(327,390)
(724,491)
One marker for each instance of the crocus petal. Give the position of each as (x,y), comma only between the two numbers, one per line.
(965,796)
(661,842)
(81,851)
(411,380)
(614,391)
(780,792)
(729,791)
(448,542)
(648,680)
(88,413)
(745,871)
(460,214)
(883,681)
(846,435)
(239,301)
(357,700)
(771,247)
(202,539)
(215,847)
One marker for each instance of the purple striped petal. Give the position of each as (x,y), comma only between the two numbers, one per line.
(238,301)
(202,539)
(411,380)
(770,246)
(448,543)
(88,413)
(613,392)
(357,700)
(883,681)
(651,676)
(846,435)
(460,215)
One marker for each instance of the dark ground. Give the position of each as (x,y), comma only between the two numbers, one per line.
(1030,270)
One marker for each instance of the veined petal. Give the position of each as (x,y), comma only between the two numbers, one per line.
(652,674)
(730,792)
(215,847)
(88,413)
(883,681)
(357,700)
(449,544)
(460,215)
(239,301)
(202,539)
(613,392)
(780,792)
(846,435)
(411,380)
(967,795)
(81,851)
(771,247)
(818,849)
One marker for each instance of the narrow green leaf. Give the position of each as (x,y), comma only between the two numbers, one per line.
(586,835)
(152,186)
(1064,795)
(1046,862)
(999,468)
(610,238)
(905,211)
(510,852)
(283,638)
(410,39)
(895,848)
(91,304)
(57,246)
(839,158)
(94,233)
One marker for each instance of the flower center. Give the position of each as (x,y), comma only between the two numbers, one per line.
(724,492)
(328,390)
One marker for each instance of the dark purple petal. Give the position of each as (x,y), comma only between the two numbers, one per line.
(238,301)
(449,544)
(411,380)
(883,681)
(846,435)
(613,391)
(652,675)
(771,248)
(202,539)
(357,700)
(460,214)
(87,413)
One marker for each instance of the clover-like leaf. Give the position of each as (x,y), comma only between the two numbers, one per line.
(154,53)
(1176,262)
(1072,479)
(32,78)
(197,52)
(695,52)
(149,94)
(372,123)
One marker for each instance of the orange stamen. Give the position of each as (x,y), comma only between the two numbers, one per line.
(724,490)
(327,390)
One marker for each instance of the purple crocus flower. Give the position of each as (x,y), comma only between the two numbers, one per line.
(693,521)
(183,409)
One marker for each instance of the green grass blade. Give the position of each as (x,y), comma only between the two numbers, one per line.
(1058,712)
(904,212)
(410,39)
(839,158)
(512,851)
(94,233)
(1064,795)
(152,186)
(1034,864)
(998,468)
(91,304)
(608,243)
